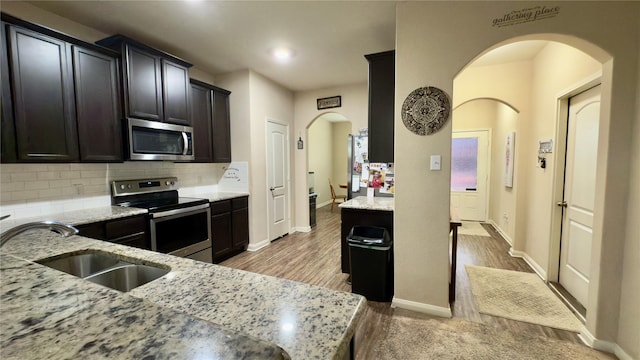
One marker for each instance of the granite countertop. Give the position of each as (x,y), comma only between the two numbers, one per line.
(108,212)
(220,195)
(78,217)
(196,310)
(366,203)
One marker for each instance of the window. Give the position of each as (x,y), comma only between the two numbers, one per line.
(464,164)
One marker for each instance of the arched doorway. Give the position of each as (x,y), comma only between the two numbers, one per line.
(327,154)
(537,75)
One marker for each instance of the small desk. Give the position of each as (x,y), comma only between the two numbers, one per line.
(454,224)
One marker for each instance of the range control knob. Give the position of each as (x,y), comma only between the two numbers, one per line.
(129,186)
(122,186)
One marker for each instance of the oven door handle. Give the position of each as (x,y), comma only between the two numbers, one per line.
(179,211)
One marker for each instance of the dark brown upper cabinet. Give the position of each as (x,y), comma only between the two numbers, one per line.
(221,126)
(143,84)
(381,106)
(210,119)
(41,82)
(97,105)
(176,93)
(60,100)
(156,84)
(201,118)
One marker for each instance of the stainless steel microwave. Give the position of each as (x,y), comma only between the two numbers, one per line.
(152,140)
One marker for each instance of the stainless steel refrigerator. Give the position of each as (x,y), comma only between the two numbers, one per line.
(361,173)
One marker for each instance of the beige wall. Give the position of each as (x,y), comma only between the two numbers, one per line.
(629,315)
(268,101)
(340,131)
(320,150)
(502,210)
(238,83)
(499,119)
(354,108)
(422,256)
(254,99)
(556,68)
(327,154)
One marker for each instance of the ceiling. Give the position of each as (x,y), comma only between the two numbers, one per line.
(329,38)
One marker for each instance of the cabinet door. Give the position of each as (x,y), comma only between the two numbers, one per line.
(143,93)
(175,80)
(7,130)
(240,222)
(201,122)
(221,128)
(97,106)
(42,84)
(221,234)
(381,99)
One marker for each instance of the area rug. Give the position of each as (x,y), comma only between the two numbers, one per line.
(472,228)
(519,296)
(409,338)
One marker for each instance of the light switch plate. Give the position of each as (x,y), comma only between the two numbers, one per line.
(435,162)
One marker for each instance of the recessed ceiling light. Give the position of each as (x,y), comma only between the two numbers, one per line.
(282,54)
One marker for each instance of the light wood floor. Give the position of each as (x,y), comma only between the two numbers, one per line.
(314,258)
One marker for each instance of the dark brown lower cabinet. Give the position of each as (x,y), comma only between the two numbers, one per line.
(131,231)
(229,227)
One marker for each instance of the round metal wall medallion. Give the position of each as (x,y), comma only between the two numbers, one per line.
(426,110)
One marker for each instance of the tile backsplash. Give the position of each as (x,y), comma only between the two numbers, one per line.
(42,188)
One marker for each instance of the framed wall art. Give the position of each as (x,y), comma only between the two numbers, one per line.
(330,102)
(509,152)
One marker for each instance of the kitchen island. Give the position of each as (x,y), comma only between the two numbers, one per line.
(197,310)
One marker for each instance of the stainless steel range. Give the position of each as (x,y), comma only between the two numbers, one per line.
(178,226)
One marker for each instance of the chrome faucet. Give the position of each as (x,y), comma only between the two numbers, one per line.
(62,229)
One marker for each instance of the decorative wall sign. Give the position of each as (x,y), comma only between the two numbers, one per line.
(545,146)
(329,102)
(426,110)
(509,151)
(526,15)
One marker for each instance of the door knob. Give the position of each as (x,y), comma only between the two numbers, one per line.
(562,204)
(272,188)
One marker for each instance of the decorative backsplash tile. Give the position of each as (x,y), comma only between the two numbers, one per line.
(38,189)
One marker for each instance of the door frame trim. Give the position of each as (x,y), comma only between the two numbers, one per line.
(288,174)
(560,149)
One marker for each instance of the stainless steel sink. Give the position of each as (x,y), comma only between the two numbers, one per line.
(81,265)
(106,269)
(127,277)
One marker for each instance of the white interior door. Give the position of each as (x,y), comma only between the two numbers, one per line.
(469,174)
(579,193)
(277,179)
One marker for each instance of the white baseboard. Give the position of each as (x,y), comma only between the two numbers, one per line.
(501,232)
(606,346)
(259,245)
(421,307)
(319,205)
(304,229)
(529,260)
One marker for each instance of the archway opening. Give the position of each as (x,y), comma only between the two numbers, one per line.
(327,154)
(533,75)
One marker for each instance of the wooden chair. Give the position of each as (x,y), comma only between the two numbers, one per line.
(334,196)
